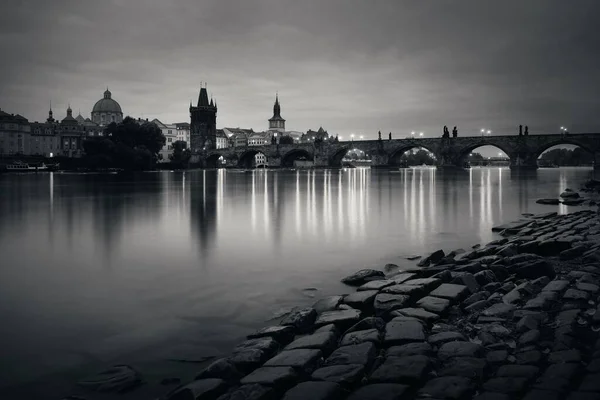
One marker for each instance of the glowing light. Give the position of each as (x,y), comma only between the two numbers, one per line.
(488,132)
(361,136)
(421,134)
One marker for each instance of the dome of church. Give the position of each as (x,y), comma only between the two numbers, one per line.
(107,104)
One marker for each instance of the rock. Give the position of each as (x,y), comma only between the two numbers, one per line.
(384,303)
(552,202)
(448,387)
(114,379)
(529,337)
(564,356)
(535,269)
(497,356)
(444,337)
(363,276)
(557,377)
(363,354)
(428,284)
(403,277)
(342,319)
(328,328)
(248,360)
(477,306)
(551,247)
(434,304)
(542,301)
(329,303)
(459,349)
(588,287)
(379,391)
(409,369)
(376,285)
(572,202)
(418,313)
(401,332)
(527,323)
(507,385)
(302,319)
(301,359)
(410,349)
(532,357)
(499,310)
(317,390)
(474,298)
(324,341)
(281,333)
(369,335)
(361,300)
(574,294)
(222,369)
(556,286)
(449,291)
(250,392)
(484,277)
(345,375)
(432,258)
(519,371)
(199,389)
(277,377)
(573,252)
(412,291)
(467,367)
(367,323)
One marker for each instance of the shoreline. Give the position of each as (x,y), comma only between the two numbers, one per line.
(437,268)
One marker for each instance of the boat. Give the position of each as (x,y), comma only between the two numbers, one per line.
(19,166)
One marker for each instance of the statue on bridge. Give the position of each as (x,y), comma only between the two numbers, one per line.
(390,136)
(454,132)
(273,140)
(526,130)
(520,130)
(379,135)
(446,133)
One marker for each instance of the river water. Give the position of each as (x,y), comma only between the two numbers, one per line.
(102,268)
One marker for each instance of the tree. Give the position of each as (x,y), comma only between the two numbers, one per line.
(181,155)
(286,140)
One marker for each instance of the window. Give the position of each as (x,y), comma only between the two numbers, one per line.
(113,118)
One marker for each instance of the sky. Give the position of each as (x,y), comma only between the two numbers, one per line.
(349,66)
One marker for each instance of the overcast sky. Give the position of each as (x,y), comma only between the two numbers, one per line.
(349,66)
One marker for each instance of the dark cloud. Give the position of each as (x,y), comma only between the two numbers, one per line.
(346,65)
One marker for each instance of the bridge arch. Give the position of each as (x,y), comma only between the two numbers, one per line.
(561,141)
(395,154)
(335,160)
(464,152)
(248,158)
(214,160)
(287,160)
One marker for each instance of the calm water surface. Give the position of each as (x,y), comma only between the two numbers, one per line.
(98,268)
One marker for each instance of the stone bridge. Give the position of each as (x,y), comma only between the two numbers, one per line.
(523,151)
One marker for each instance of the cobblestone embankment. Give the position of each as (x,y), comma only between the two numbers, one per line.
(517,318)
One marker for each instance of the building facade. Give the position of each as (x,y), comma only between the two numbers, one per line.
(170,133)
(203,123)
(15,134)
(107,110)
(276,123)
(183,132)
(222,139)
(311,136)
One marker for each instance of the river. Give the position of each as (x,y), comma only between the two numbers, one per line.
(103,268)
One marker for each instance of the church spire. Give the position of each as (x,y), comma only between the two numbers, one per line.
(276,107)
(203,97)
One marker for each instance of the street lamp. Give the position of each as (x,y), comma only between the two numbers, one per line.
(421,134)
(413,134)
(352,137)
(488,132)
(361,137)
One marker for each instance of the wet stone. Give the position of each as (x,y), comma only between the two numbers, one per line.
(484,277)
(376,285)
(459,349)
(587,287)
(499,310)
(526,323)
(410,349)
(574,294)
(403,277)
(222,369)
(474,298)
(363,354)
(496,356)
(302,359)
(379,391)
(413,291)
(361,300)
(590,383)
(317,390)
(467,279)
(564,356)
(278,377)
(401,332)
(369,335)
(477,306)
(467,367)
(363,276)
(507,385)
(340,318)
(329,303)
(518,371)
(280,333)
(344,375)
(557,377)
(444,337)
(267,344)
(324,341)
(247,360)
(448,387)
(199,389)
(450,291)
(302,319)
(531,357)
(250,392)
(530,337)
(542,301)
(328,328)
(537,394)
(384,303)
(368,323)
(434,304)
(409,369)
(428,284)
(418,313)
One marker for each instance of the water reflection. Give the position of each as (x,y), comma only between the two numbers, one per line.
(93,252)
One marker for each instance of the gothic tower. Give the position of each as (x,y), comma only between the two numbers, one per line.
(276,123)
(203,123)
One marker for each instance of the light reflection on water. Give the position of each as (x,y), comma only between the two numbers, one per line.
(96,266)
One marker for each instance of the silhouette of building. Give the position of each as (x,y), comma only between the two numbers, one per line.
(311,136)
(107,110)
(276,123)
(203,123)
(14,134)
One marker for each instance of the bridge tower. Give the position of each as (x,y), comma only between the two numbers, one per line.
(203,123)
(276,123)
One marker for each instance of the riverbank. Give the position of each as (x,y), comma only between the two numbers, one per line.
(515,316)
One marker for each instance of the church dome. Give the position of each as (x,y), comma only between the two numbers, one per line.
(107,105)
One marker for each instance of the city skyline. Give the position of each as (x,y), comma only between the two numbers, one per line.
(349,67)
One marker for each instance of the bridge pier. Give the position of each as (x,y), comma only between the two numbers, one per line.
(523,161)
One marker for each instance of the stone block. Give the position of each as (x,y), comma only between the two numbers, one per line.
(301,359)
(401,332)
(459,349)
(448,387)
(363,354)
(278,377)
(369,335)
(380,391)
(409,369)
(450,291)
(434,304)
(344,375)
(317,390)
